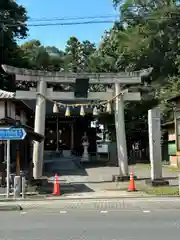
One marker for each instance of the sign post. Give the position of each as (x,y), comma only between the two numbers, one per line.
(10,134)
(8,169)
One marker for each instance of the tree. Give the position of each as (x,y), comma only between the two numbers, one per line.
(12,26)
(151,39)
(147,36)
(42,58)
(56,59)
(75,58)
(78,55)
(73,53)
(30,51)
(87,50)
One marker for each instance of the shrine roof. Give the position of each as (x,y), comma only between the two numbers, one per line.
(174,98)
(168,124)
(5,95)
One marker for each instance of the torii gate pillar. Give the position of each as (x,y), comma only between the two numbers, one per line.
(121,134)
(39,127)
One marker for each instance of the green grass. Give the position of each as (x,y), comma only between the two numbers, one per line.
(147,166)
(160,191)
(173,169)
(154,191)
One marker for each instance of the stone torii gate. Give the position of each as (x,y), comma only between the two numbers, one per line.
(44,77)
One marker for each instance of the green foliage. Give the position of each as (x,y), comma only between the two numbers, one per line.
(12,26)
(75,58)
(150,38)
(146,36)
(78,55)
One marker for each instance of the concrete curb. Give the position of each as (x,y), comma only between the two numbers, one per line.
(12,194)
(66,199)
(72,198)
(76,204)
(8,207)
(109,198)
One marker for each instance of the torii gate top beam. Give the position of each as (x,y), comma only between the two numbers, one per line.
(64,77)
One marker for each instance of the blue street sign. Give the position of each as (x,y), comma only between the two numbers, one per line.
(12,133)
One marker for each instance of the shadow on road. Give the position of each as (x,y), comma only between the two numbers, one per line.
(65,188)
(64,167)
(65,172)
(94,165)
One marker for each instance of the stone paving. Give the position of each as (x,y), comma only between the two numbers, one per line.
(95,181)
(99,179)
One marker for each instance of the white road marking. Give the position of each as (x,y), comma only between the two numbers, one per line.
(22,213)
(146,211)
(63,211)
(104,211)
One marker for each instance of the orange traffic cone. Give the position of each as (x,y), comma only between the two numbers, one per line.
(132,186)
(56,190)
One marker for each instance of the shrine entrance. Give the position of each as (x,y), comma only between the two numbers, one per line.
(66,133)
(59,134)
(113,91)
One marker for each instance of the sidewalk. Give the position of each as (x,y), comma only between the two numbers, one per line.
(99,179)
(71,201)
(84,195)
(92,179)
(139,204)
(96,183)
(103,194)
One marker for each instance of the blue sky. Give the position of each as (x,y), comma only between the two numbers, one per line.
(58,35)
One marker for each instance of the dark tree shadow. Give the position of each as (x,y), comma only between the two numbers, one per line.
(65,188)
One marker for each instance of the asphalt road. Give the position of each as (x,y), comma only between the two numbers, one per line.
(90,225)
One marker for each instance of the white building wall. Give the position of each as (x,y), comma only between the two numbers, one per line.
(11,110)
(2,109)
(23,117)
(17,118)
